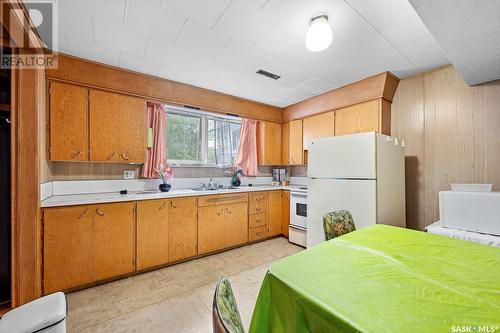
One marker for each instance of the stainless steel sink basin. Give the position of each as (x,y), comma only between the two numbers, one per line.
(203,189)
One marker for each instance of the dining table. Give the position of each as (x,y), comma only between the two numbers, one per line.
(383,279)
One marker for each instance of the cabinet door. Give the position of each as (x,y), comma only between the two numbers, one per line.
(269,143)
(275,210)
(68,140)
(211,229)
(152,233)
(285,144)
(285,215)
(182,229)
(359,118)
(67,248)
(117,128)
(133,130)
(318,126)
(236,224)
(113,240)
(296,146)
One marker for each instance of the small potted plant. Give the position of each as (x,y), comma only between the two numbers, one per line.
(166,174)
(236,173)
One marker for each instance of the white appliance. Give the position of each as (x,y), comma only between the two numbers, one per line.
(297,230)
(470,211)
(362,173)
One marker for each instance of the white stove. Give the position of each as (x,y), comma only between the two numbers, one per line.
(297,231)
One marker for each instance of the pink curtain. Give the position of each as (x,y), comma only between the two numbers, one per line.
(246,157)
(157,154)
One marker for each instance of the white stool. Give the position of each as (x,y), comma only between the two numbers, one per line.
(46,314)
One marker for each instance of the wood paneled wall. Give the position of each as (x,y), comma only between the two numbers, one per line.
(452,135)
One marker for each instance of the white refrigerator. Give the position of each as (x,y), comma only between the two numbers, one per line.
(362,173)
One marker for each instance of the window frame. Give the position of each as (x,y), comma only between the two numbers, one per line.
(204,116)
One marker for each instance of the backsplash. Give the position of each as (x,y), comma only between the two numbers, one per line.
(100,171)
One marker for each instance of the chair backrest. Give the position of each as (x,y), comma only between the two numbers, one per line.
(336,224)
(225,314)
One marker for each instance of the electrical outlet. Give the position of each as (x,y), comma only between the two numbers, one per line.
(129,174)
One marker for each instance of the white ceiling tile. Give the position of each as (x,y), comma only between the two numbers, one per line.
(166,53)
(226,57)
(139,64)
(401,25)
(245,21)
(200,39)
(469,33)
(117,36)
(200,11)
(109,10)
(153,21)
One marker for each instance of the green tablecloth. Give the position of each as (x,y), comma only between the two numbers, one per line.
(383,279)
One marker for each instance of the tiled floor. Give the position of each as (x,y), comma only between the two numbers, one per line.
(176,298)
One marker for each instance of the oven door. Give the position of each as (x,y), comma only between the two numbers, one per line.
(298,210)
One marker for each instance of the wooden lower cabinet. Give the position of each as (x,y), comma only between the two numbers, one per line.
(182,229)
(113,241)
(152,233)
(211,229)
(67,250)
(274,212)
(236,224)
(222,226)
(285,215)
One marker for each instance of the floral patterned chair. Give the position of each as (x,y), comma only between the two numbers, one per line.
(336,224)
(225,314)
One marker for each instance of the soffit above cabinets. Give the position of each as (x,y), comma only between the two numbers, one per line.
(469,33)
(220,44)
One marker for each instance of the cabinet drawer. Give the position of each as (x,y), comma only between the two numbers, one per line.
(258,197)
(257,220)
(222,199)
(258,208)
(258,233)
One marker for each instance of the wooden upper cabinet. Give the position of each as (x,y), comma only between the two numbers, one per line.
(152,233)
(113,241)
(318,126)
(68,123)
(285,143)
(296,145)
(364,117)
(117,128)
(275,213)
(182,229)
(67,248)
(236,224)
(268,143)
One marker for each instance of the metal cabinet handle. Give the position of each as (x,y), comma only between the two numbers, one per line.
(258,221)
(76,155)
(125,156)
(258,234)
(258,199)
(99,212)
(228,211)
(220,212)
(172,204)
(84,213)
(112,155)
(258,209)
(162,205)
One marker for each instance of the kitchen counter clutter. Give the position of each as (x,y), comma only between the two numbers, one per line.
(90,238)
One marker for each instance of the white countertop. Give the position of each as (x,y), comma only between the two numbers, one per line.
(96,198)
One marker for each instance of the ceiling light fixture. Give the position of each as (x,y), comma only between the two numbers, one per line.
(319,36)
